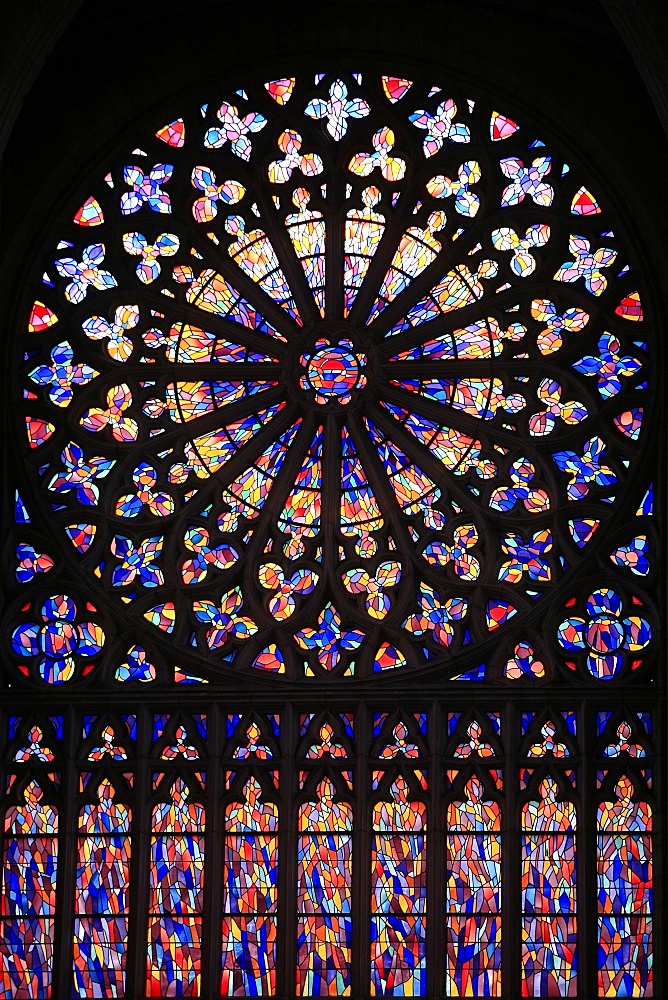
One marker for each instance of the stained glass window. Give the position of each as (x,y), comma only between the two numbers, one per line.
(324,873)
(101,901)
(175,901)
(549,893)
(624,869)
(399,894)
(29,868)
(473,893)
(334,558)
(250,895)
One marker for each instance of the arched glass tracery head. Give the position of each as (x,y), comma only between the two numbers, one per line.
(335,376)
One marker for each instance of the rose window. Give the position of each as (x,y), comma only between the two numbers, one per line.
(333,376)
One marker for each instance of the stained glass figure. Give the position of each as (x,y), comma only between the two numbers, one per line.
(176,896)
(364,229)
(29,869)
(624,881)
(549,934)
(250,895)
(101,902)
(473,894)
(324,883)
(398,894)
(308,233)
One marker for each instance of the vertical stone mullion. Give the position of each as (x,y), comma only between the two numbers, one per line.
(511,860)
(286,951)
(213,844)
(67,857)
(361,881)
(586,854)
(435,915)
(135,976)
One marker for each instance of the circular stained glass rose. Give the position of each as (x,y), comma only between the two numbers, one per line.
(332,375)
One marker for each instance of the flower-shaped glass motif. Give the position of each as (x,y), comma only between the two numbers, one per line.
(527,181)
(234,129)
(526,557)
(116,333)
(355,406)
(467,202)
(463,562)
(284,602)
(587,470)
(505,498)
(136,562)
(633,556)
(80,476)
(146,497)
(523,261)
(608,365)
(374,586)
(223,619)
(34,748)
(281,170)
(337,109)
(113,416)
(146,189)
(392,168)
(436,616)
(58,641)
(624,743)
(543,421)
(136,666)
(604,634)
(205,208)
(31,562)
(205,556)
(328,639)
(587,265)
(85,274)
(551,338)
(62,374)
(440,126)
(148,268)
(523,663)
(476,743)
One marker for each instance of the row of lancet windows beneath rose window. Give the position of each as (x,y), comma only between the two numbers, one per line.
(471,839)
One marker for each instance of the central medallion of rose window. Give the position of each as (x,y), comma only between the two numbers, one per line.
(333,371)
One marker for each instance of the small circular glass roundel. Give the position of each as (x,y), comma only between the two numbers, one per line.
(333,371)
(334,376)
